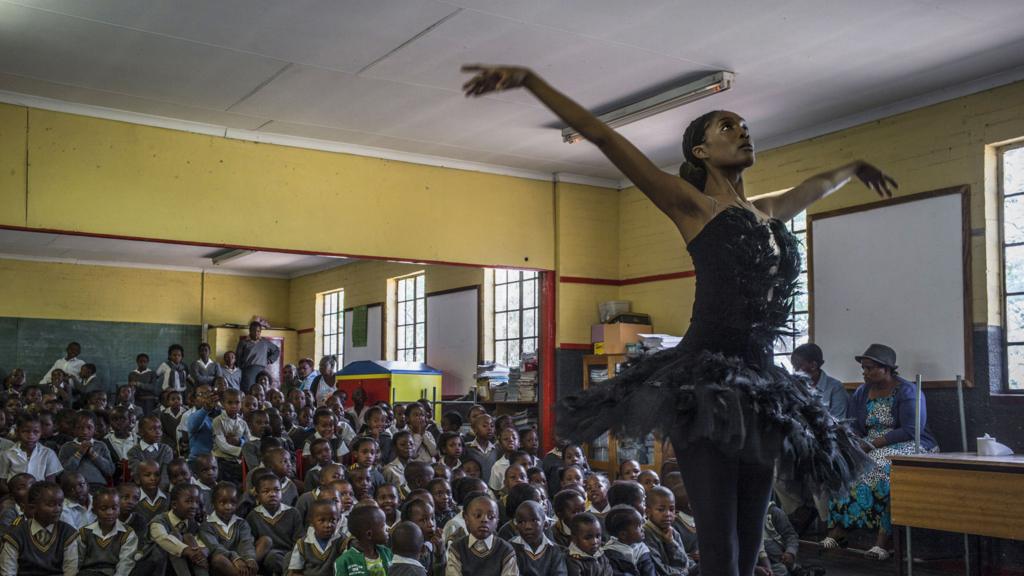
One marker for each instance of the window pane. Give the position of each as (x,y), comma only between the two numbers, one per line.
(530,323)
(500,298)
(530,294)
(1015,362)
(800,221)
(410,338)
(1015,269)
(513,325)
(421,286)
(500,276)
(421,355)
(421,309)
(500,355)
(513,352)
(421,335)
(529,345)
(801,327)
(527,274)
(1015,318)
(513,296)
(1013,219)
(501,325)
(783,360)
(803,256)
(1013,171)
(400,336)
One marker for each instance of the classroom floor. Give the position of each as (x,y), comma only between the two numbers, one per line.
(850,563)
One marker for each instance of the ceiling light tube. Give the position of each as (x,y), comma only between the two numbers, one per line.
(228,255)
(691,92)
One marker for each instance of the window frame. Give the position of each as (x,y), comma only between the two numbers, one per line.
(400,347)
(339,314)
(522,309)
(1004,295)
(777,351)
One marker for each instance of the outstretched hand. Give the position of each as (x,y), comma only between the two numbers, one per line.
(493,78)
(873,178)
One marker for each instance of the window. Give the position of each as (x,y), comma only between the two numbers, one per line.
(1011,187)
(411,318)
(516,315)
(798,318)
(332,326)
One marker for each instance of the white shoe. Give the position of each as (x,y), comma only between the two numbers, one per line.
(877,553)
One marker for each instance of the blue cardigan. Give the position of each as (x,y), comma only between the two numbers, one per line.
(904,414)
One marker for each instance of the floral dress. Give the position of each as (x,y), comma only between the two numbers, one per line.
(866,505)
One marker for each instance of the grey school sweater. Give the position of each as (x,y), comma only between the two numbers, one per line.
(284,529)
(233,542)
(95,467)
(99,557)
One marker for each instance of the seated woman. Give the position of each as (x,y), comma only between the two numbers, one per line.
(882,410)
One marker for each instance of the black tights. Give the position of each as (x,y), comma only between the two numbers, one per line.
(729,497)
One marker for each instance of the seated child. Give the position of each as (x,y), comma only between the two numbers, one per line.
(571,455)
(444,505)
(648,479)
(322,455)
(144,380)
(421,513)
(572,478)
(471,468)
(227,536)
(179,472)
(628,492)
(15,505)
(417,475)
(327,474)
(128,495)
(170,418)
(77,508)
(64,421)
(150,446)
(362,485)
(596,486)
(120,439)
(406,542)
(442,471)
(367,554)
(230,433)
(666,546)
(482,449)
(519,494)
(28,455)
(275,526)
(481,551)
(567,504)
(451,448)
(259,426)
(388,500)
(86,456)
(684,523)
(364,456)
(171,544)
(279,461)
(625,549)
(41,522)
(536,554)
(107,546)
(781,541)
(508,442)
(315,554)
(394,471)
(126,399)
(153,501)
(206,479)
(325,425)
(465,489)
(585,557)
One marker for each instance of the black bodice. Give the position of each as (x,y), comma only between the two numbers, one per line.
(746,273)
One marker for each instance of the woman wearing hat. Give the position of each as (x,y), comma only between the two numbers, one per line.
(883,411)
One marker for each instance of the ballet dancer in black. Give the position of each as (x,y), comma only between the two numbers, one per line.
(730,412)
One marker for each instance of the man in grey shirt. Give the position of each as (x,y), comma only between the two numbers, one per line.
(254,354)
(808,359)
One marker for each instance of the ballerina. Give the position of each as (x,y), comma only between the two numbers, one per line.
(730,412)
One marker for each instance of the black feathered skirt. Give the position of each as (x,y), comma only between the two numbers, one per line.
(740,406)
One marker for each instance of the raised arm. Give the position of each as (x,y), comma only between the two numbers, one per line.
(673,196)
(794,201)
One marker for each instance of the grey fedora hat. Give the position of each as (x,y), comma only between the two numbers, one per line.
(880,354)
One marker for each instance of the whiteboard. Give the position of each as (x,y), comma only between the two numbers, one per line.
(452,338)
(372,349)
(892,274)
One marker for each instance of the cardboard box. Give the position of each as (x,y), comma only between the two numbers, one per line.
(612,338)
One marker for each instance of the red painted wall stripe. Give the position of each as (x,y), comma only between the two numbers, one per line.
(575,346)
(304,330)
(627,281)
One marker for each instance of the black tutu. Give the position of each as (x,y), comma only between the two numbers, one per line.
(720,383)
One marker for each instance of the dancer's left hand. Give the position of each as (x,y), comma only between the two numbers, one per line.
(493,78)
(873,178)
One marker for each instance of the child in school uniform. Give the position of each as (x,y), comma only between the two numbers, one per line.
(567,504)
(171,544)
(150,445)
(375,425)
(128,495)
(230,433)
(536,554)
(481,551)
(325,426)
(106,547)
(147,387)
(121,437)
(596,486)
(204,369)
(666,546)
(87,456)
(279,461)
(388,499)
(482,449)
(125,398)
(275,526)
(206,479)
(406,542)
(171,413)
(227,536)
(394,471)
(431,554)
(625,548)
(450,445)
(367,554)
(230,371)
(328,474)
(323,456)
(17,501)
(77,507)
(173,373)
(39,542)
(28,455)
(364,456)
(179,472)
(259,426)
(584,556)
(508,442)
(315,554)
(152,501)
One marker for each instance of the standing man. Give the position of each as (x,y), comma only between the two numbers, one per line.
(254,353)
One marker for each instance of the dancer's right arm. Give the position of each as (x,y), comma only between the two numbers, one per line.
(672,195)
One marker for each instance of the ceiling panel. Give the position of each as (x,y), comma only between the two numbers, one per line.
(342,34)
(77,52)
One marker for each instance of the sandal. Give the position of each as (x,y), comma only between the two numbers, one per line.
(877,553)
(830,543)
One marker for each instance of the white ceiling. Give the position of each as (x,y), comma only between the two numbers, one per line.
(133,253)
(385,73)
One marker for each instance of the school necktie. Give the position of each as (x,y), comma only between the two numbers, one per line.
(43,536)
(480,547)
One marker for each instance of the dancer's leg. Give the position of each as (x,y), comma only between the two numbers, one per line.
(755,481)
(712,481)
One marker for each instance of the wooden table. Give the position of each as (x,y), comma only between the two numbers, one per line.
(958,492)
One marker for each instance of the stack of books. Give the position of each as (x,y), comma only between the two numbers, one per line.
(656,342)
(492,381)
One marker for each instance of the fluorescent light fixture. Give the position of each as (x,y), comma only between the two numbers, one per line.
(691,92)
(228,255)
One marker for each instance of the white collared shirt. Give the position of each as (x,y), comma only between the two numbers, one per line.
(544,542)
(214,519)
(151,501)
(42,463)
(9,554)
(122,445)
(399,559)
(266,514)
(574,550)
(71,368)
(297,562)
(126,557)
(75,514)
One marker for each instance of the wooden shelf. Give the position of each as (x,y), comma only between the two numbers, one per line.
(507,402)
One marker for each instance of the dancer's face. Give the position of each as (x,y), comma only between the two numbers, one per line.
(727,142)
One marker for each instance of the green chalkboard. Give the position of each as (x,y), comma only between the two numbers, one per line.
(34,344)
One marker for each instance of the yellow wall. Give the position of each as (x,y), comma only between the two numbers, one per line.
(925,149)
(141,181)
(62,291)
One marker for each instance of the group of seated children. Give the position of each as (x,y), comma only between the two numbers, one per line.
(215,481)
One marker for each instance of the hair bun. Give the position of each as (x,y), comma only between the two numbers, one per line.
(693,174)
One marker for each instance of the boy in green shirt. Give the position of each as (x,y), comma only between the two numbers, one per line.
(368,555)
